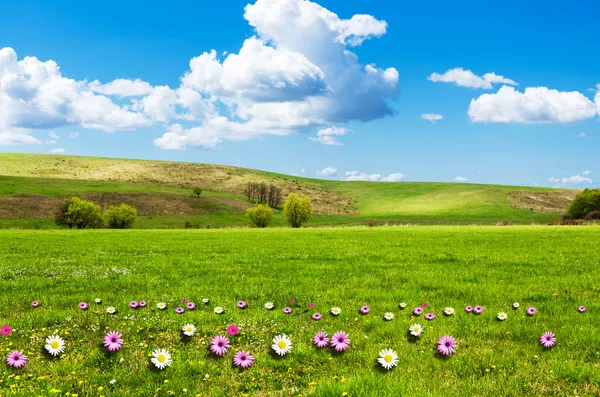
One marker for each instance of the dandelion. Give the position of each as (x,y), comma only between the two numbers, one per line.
(365,310)
(190,305)
(478,309)
(179,310)
(321,340)
(415,330)
(429,316)
(143,304)
(581,309)
(83,306)
(243,359)
(468,309)
(388,358)
(516,305)
(189,330)
(6,330)
(133,304)
(449,311)
(317,316)
(286,310)
(402,305)
(446,345)
(282,345)
(111,310)
(417,311)
(98,301)
(16,359)
(233,330)
(388,316)
(340,341)
(548,339)
(219,310)
(336,311)
(35,303)
(205,301)
(161,305)
(113,341)
(219,345)
(161,358)
(269,306)
(241,304)
(55,345)
(502,316)
(531,311)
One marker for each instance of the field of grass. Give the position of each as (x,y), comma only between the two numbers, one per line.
(555,269)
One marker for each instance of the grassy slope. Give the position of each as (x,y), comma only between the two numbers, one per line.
(444,266)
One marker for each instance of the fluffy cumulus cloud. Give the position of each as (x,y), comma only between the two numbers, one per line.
(432,117)
(466,78)
(57,150)
(328,171)
(122,87)
(536,105)
(361,176)
(586,172)
(326,136)
(461,179)
(573,180)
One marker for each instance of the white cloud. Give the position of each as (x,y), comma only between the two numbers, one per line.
(16,137)
(576,180)
(582,135)
(586,172)
(466,78)
(361,176)
(53,135)
(328,171)
(50,142)
(73,135)
(397,177)
(326,140)
(597,98)
(122,87)
(461,179)
(537,105)
(326,136)
(57,150)
(432,117)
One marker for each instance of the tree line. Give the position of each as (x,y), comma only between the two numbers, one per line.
(263,193)
(81,214)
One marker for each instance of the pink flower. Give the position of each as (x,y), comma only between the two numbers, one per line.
(425,304)
(321,340)
(83,306)
(143,304)
(190,305)
(133,304)
(417,311)
(429,316)
(243,359)
(292,300)
(478,309)
(317,316)
(581,309)
(311,305)
(219,345)
(184,300)
(16,359)
(35,303)
(548,339)
(446,345)
(287,310)
(113,341)
(241,304)
(531,311)
(365,309)
(340,341)
(469,309)
(5,330)
(179,310)
(233,330)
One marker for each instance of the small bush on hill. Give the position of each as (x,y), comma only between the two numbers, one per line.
(584,203)
(372,222)
(260,216)
(297,210)
(593,216)
(191,225)
(197,191)
(79,214)
(121,217)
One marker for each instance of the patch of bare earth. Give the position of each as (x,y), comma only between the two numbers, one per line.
(553,202)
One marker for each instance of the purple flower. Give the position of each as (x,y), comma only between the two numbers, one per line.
(6,330)
(531,311)
(16,359)
(113,341)
(190,305)
(478,309)
(321,340)
(429,316)
(365,309)
(340,341)
(184,300)
(581,309)
(243,359)
(35,303)
(233,330)
(424,304)
(417,311)
(219,345)
(241,304)
(469,309)
(83,306)
(548,339)
(292,300)
(317,316)
(133,304)
(179,310)
(446,345)
(311,305)
(143,304)
(287,310)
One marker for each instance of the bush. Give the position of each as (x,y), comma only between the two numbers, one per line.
(60,218)
(584,203)
(260,216)
(80,214)
(297,210)
(373,222)
(191,225)
(121,217)
(593,216)
(197,191)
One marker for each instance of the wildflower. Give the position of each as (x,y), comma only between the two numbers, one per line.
(415,330)
(241,304)
(417,311)
(161,305)
(531,311)
(113,381)
(287,310)
(402,305)
(233,330)
(218,310)
(548,339)
(243,359)
(184,300)
(35,303)
(205,301)
(389,316)
(311,305)
(143,304)
(478,309)
(282,345)
(516,305)
(317,316)
(429,316)
(365,309)
(6,330)
(16,359)
(55,345)
(161,358)
(219,345)
(446,345)
(388,358)
(133,304)
(179,310)
(449,311)
(189,330)
(113,341)
(98,301)
(111,310)
(581,309)
(468,309)
(336,311)
(321,340)
(340,341)
(269,305)
(292,300)
(425,304)
(502,316)
(83,306)
(190,305)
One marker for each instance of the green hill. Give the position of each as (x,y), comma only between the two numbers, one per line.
(31,186)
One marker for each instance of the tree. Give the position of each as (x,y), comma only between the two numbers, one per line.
(584,203)
(263,193)
(260,216)
(121,217)
(197,191)
(297,210)
(60,218)
(80,214)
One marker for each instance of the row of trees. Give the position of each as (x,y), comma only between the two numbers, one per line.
(586,205)
(297,210)
(81,214)
(263,193)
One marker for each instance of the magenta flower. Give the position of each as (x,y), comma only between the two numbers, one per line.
(113,341)
(317,316)
(429,316)
(478,309)
(548,339)
(219,345)
(531,311)
(233,330)
(311,305)
(143,304)
(287,310)
(179,310)
(417,311)
(16,359)
(243,359)
(365,310)
(184,300)
(340,341)
(5,330)
(425,304)
(469,309)
(83,306)
(446,345)
(581,309)
(292,300)
(35,303)
(321,340)
(133,304)
(241,304)
(190,305)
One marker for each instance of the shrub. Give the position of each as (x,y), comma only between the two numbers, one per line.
(121,217)
(80,214)
(584,203)
(191,225)
(297,210)
(197,191)
(260,216)
(373,222)
(60,218)
(593,216)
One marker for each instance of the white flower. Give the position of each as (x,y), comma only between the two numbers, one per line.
(269,305)
(415,330)
(161,305)
(389,316)
(98,300)
(161,358)
(388,358)
(111,310)
(55,345)
(449,311)
(282,345)
(336,311)
(516,305)
(502,316)
(205,301)
(219,310)
(113,381)
(402,305)
(189,330)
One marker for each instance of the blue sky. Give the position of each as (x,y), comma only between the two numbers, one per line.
(284,70)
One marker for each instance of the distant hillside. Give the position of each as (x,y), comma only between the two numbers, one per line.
(31,186)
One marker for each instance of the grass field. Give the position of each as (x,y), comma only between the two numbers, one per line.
(555,269)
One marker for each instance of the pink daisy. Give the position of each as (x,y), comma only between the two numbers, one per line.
(243,359)
(548,339)
(219,345)
(446,345)
(292,300)
(190,305)
(469,309)
(35,303)
(16,359)
(113,341)
(365,309)
(478,309)
(241,304)
(5,330)
(321,340)
(311,305)
(417,311)
(429,316)
(425,304)
(133,304)
(340,341)
(581,309)
(179,310)
(317,316)
(143,303)
(287,310)
(233,330)
(83,306)
(184,300)
(531,311)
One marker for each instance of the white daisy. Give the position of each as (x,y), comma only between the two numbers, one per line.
(336,311)
(449,311)
(388,358)
(269,305)
(189,330)
(205,301)
(282,345)
(415,330)
(389,316)
(111,310)
(402,305)
(55,345)
(502,316)
(161,305)
(161,358)
(98,300)
(219,310)
(516,305)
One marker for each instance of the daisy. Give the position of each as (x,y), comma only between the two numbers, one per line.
(531,311)
(418,311)
(446,345)
(340,341)
(161,305)
(179,310)
(317,316)
(402,305)
(113,341)
(111,310)
(6,330)
(287,310)
(233,330)
(502,316)
(478,309)
(292,300)
(241,304)
(388,358)
(581,309)
(321,340)
(311,305)
(190,305)
(282,345)
(205,301)
(143,304)
(429,316)
(16,359)
(516,305)
(98,301)
(415,330)
(55,345)
(269,306)
(243,359)
(133,304)
(219,345)
(449,311)
(184,300)
(365,309)
(218,310)
(189,330)
(83,306)
(161,358)
(468,309)
(389,316)
(425,304)
(336,311)
(548,339)
(35,303)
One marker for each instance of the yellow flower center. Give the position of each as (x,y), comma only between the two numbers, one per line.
(161,358)
(189,329)
(417,329)
(388,358)
(55,345)
(282,344)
